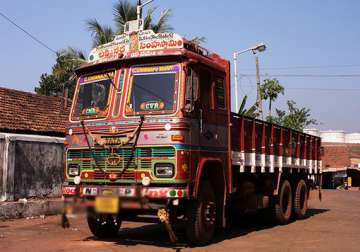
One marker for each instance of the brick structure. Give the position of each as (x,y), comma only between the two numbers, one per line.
(27,113)
(336,156)
(339,161)
(340,155)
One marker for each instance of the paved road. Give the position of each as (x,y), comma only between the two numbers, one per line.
(332,225)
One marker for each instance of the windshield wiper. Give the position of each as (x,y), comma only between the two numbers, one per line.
(89,146)
(111,81)
(133,149)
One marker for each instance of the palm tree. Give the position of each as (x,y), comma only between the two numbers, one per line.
(64,70)
(101,34)
(251,112)
(271,89)
(123,12)
(63,76)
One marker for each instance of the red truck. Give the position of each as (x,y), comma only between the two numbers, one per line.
(151,132)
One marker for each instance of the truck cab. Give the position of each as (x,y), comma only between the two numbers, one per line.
(150,114)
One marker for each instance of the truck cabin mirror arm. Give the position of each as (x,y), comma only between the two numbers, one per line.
(191,90)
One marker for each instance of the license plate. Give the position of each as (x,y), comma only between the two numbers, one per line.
(107,205)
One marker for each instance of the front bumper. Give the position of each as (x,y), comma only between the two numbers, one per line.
(131,197)
(126,191)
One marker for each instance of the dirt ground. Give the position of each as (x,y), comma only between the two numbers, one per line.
(332,225)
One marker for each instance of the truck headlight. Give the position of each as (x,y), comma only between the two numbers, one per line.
(73,170)
(164,170)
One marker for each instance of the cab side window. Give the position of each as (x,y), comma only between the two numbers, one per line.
(192,88)
(205,88)
(219,94)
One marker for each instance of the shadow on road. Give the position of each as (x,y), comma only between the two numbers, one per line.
(156,235)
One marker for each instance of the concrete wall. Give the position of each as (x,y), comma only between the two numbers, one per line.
(32,166)
(2,146)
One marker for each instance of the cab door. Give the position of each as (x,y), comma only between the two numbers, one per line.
(207,117)
(221,111)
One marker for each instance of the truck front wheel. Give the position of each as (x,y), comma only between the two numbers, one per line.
(103,225)
(283,204)
(201,215)
(301,200)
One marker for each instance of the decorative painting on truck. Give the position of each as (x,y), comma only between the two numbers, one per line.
(142,43)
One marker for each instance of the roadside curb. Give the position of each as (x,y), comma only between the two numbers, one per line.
(12,210)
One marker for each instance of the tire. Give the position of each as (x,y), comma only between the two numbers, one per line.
(283,205)
(103,225)
(202,216)
(300,200)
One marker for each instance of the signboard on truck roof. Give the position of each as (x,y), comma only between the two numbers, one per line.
(136,44)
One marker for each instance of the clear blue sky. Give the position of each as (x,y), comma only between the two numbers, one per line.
(297,33)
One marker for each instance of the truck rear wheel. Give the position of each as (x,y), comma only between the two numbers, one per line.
(283,204)
(103,225)
(201,215)
(301,200)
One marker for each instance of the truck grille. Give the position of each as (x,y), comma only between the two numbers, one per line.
(142,159)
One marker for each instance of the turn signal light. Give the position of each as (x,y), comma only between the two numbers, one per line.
(179,138)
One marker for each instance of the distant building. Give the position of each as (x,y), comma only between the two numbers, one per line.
(32,130)
(341,157)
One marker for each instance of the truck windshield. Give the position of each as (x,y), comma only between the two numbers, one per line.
(152,90)
(92,99)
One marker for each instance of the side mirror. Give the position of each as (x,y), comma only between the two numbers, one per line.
(191,91)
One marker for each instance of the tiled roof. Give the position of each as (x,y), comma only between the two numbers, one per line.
(31,113)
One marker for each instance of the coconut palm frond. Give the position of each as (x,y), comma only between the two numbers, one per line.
(198,40)
(149,18)
(72,53)
(163,23)
(123,11)
(101,34)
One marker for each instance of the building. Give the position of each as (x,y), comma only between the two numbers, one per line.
(32,130)
(341,157)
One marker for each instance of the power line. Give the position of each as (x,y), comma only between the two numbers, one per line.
(307,67)
(316,89)
(27,33)
(307,75)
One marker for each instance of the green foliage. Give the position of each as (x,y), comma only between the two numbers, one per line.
(271,89)
(198,40)
(101,34)
(62,75)
(251,112)
(295,118)
(123,12)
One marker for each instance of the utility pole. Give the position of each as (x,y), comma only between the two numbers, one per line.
(260,47)
(258,95)
(139,8)
(236,83)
